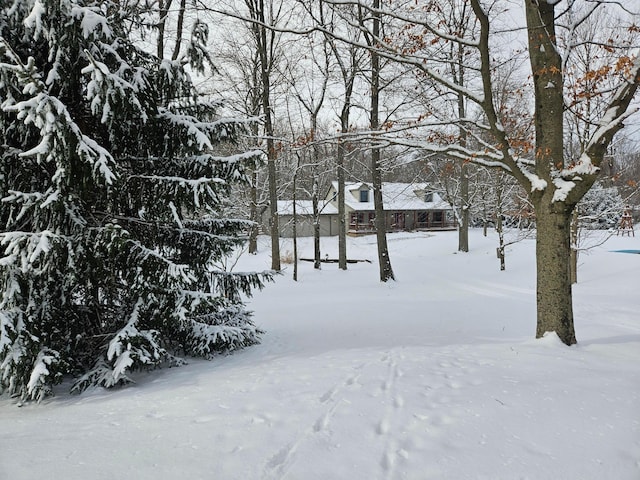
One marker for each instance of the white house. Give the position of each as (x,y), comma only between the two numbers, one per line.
(407,206)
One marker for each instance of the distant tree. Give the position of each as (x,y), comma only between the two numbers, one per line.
(261,17)
(384,261)
(596,217)
(112,200)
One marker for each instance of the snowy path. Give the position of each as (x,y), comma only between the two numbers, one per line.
(433,377)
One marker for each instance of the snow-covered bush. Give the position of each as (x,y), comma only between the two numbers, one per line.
(112,202)
(601,208)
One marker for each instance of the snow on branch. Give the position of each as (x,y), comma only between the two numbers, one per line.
(38,386)
(618,109)
(610,123)
(194,128)
(106,90)
(27,248)
(91,20)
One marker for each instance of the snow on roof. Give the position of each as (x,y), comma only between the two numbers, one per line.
(395,196)
(305,207)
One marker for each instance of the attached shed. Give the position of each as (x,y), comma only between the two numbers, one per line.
(328,217)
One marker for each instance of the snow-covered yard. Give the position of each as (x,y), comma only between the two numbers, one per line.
(435,376)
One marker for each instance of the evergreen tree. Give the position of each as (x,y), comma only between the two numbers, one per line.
(112,202)
(601,208)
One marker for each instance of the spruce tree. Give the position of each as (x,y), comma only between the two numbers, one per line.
(112,202)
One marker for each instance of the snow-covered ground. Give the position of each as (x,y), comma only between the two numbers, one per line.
(435,376)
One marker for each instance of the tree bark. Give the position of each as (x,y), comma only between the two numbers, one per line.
(575,224)
(260,32)
(342,222)
(178,44)
(295,222)
(463,228)
(315,194)
(163,6)
(316,223)
(386,272)
(553,246)
(553,217)
(253,214)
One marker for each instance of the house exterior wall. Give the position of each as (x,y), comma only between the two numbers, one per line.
(359,213)
(304,225)
(360,222)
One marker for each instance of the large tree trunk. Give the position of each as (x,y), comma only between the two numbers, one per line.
(553,257)
(553,217)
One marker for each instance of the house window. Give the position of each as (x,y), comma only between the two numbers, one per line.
(423,217)
(357,218)
(372,218)
(437,217)
(428,197)
(364,196)
(398,220)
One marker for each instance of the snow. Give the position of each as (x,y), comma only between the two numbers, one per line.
(34,20)
(435,376)
(92,20)
(537,183)
(395,196)
(305,207)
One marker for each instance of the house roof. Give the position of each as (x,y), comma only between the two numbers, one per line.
(305,207)
(395,196)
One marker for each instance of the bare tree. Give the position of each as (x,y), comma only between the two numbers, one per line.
(384,262)
(309,87)
(262,19)
(349,60)
(555,183)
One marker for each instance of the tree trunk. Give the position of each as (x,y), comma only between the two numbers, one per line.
(253,214)
(553,218)
(342,222)
(463,228)
(295,223)
(178,44)
(315,194)
(163,6)
(554,299)
(500,230)
(574,246)
(260,32)
(386,272)
(316,221)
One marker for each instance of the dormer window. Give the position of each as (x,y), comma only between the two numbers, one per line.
(364,196)
(428,197)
